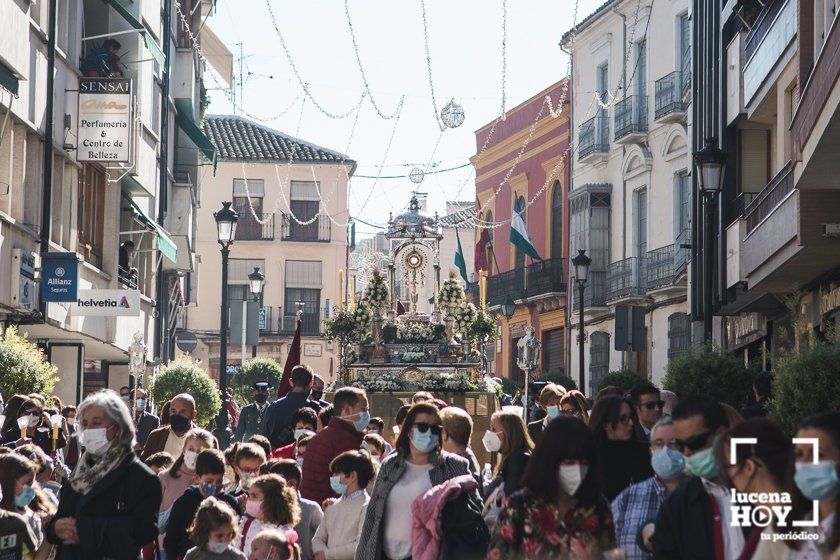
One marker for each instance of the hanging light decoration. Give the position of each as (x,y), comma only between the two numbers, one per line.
(452,114)
(417,175)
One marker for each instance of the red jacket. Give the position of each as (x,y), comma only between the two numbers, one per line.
(285,452)
(326,445)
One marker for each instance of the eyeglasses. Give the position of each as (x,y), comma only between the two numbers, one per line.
(695,442)
(424,427)
(654,404)
(625,419)
(570,412)
(660,443)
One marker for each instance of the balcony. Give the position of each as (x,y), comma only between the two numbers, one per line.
(670,106)
(248,228)
(682,251)
(631,121)
(594,293)
(502,285)
(542,279)
(769,198)
(626,279)
(594,140)
(127,279)
(761,27)
(273,320)
(545,278)
(663,267)
(317,231)
(766,45)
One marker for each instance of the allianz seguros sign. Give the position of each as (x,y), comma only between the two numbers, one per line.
(104,122)
(107,303)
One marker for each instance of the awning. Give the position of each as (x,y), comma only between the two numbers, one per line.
(217,54)
(8,80)
(184,118)
(148,38)
(165,244)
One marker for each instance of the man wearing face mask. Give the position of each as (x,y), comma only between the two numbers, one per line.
(317,394)
(276,424)
(634,510)
(170,438)
(252,417)
(144,422)
(345,432)
(549,401)
(694,521)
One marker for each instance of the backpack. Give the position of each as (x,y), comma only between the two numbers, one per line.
(465,534)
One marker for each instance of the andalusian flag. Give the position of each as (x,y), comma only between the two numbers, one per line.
(460,262)
(519,233)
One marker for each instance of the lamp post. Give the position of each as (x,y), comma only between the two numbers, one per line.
(226,219)
(256,283)
(710,162)
(581,263)
(527,358)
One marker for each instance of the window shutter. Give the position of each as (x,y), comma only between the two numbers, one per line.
(256,187)
(553,349)
(599,358)
(304,190)
(303,274)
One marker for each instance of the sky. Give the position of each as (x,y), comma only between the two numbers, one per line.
(465,49)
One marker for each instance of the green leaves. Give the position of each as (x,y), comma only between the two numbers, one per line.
(184,375)
(704,370)
(624,379)
(252,371)
(23,367)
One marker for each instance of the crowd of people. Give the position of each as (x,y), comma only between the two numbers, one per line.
(635,476)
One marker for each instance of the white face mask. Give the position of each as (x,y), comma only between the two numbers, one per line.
(571,477)
(492,442)
(34,419)
(189,459)
(95,440)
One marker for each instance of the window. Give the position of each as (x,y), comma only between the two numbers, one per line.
(590,230)
(682,203)
(602,80)
(641,68)
(303,285)
(557,221)
(640,222)
(599,358)
(304,206)
(684,54)
(755,160)
(679,334)
(246,197)
(553,345)
(91,211)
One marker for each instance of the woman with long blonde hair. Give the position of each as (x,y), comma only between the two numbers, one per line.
(509,438)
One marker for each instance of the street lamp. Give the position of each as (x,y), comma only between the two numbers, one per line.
(581,263)
(226,219)
(508,307)
(710,162)
(256,283)
(527,358)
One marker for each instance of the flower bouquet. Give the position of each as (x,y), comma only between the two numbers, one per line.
(376,292)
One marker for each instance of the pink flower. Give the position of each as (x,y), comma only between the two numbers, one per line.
(494,554)
(553,539)
(506,532)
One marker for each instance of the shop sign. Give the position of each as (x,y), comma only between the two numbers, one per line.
(59,276)
(107,303)
(104,123)
(829,300)
(23,289)
(746,328)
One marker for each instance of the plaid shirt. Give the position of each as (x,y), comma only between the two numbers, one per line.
(636,506)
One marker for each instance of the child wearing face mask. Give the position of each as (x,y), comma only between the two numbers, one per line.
(214,532)
(271,504)
(274,545)
(339,532)
(208,482)
(22,495)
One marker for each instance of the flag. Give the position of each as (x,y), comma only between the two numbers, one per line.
(480,259)
(519,233)
(459,258)
(292,360)
(400,308)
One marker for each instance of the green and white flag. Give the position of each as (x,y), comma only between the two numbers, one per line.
(460,262)
(519,233)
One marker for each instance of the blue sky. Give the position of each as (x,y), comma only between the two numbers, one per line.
(465,41)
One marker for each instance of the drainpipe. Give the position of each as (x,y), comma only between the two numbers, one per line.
(623,151)
(162,326)
(46,196)
(569,166)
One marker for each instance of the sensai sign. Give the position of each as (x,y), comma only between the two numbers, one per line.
(104,120)
(107,303)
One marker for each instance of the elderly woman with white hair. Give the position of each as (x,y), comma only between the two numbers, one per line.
(108,508)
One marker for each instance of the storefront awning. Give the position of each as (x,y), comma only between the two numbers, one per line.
(165,244)
(184,118)
(8,80)
(148,38)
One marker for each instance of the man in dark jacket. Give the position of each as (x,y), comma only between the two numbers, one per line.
(276,424)
(144,422)
(694,521)
(315,396)
(170,438)
(761,389)
(252,416)
(344,433)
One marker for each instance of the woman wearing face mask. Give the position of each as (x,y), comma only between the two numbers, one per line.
(416,465)
(765,467)
(622,449)
(108,508)
(819,480)
(23,495)
(37,428)
(549,401)
(560,512)
(508,437)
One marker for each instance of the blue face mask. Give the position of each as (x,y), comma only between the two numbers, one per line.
(667,463)
(25,497)
(817,482)
(553,412)
(423,441)
(300,463)
(209,489)
(362,423)
(337,486)
(299,433)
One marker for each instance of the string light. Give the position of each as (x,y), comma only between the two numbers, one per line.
(429,64)
(504,58)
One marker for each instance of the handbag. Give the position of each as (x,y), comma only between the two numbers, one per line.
(493,505)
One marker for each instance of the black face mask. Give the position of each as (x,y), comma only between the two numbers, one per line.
(316,395)
(261,398)
(178,423)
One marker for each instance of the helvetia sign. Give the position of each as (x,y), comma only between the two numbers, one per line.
(104,127)
(107,303)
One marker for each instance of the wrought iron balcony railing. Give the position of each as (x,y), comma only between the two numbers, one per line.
(631,116)
(769,198)
(669,95)
(249,228)
(593,137)
(625,278)
(320,230)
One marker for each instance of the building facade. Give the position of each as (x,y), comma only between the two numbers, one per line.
(291,198)
(537,178)
(67,197)
(630,198)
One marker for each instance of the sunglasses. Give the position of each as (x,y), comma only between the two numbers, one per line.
(625,419)
(424,427)
(654,404)
(570,412)
(695,442)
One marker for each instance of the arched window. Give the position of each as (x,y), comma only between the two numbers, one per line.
(557,221)
(599,358)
